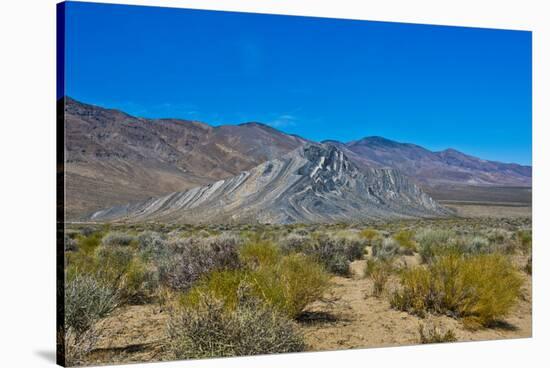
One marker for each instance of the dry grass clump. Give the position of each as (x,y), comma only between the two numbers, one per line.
(435,334)
(379,271)
(480,289)
(208,329)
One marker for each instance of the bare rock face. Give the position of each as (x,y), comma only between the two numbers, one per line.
(313,183)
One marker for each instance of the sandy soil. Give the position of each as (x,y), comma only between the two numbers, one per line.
(352,318)
(348,317)
(490,210)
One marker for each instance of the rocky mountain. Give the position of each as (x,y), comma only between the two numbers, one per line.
(113,158)
(313,183)
(431,169)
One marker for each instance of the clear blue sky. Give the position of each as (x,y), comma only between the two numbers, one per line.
(435,86)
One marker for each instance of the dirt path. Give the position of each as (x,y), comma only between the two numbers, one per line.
(352,318)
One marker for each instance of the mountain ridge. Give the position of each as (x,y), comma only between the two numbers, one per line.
(114,158)
(313,183)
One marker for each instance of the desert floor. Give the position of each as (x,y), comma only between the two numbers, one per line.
(348,317)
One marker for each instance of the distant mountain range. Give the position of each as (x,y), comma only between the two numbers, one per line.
(313,183)
(113,159)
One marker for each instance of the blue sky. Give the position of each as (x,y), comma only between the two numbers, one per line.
(435,86)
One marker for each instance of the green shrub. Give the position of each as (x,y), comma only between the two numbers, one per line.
(405,239)
(369,235)
(288,285)
(119,269)
(208,329)
(480,289)
(255,254)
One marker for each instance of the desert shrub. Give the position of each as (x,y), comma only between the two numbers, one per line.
(294,242)
(434,334)
(335,253)
(86,301)
(434,242)
(193,257)
(119,269)
(479,289)
(499,235)
(115,238)
(88,243)
(151,245)
(386,250)
(379,271)
(288,285)
(255,254)
(208,329)
(477,245)
(369,235)
(405,239)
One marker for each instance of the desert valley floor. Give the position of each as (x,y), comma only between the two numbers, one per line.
(350,313)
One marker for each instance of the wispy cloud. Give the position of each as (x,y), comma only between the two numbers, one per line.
(283,121)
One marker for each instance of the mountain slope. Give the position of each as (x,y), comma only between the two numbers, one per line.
(314,183)
(113,158)
(438,168)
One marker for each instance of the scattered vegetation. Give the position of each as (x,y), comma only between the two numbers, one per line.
(288,283)
(241,289)
(208,329)
(190,258)
(479,289)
